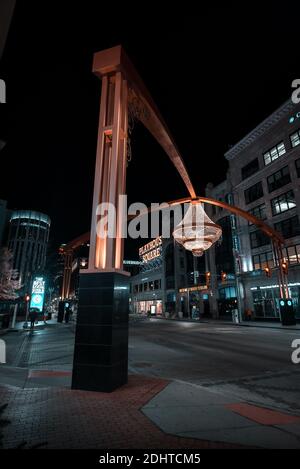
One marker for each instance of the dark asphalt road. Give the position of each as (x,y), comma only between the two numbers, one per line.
(203,352)
(250,362)
(246,362)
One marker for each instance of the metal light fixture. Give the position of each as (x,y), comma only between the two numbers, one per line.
(196,231)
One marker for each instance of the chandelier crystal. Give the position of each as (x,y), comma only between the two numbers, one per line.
(196,232)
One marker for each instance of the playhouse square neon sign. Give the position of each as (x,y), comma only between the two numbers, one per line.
(151,250)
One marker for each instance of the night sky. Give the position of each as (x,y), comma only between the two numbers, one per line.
(214,76)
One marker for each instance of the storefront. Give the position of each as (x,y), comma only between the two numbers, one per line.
(149,307)
(194,301)
(266,301)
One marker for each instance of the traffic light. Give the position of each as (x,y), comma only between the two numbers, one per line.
(207,278)
(268,271)
(223,277)
(27,298)
(287,312)
(284,266)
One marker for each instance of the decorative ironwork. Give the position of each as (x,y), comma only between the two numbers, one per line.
(136,111)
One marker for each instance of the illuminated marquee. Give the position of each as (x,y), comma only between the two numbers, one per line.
(151,250)
(191,289)
(38,293)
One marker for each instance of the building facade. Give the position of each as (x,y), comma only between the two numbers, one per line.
(264,180)
(28,239)
(170,281)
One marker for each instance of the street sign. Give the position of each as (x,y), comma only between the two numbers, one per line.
(38,293)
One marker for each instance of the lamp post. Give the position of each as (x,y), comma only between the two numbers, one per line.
(27,299)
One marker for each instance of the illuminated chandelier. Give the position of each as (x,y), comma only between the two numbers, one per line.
(196,232)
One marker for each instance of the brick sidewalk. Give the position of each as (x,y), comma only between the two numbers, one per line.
(62,418)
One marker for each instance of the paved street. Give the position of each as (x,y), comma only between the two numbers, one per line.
(251,362)
(211,383)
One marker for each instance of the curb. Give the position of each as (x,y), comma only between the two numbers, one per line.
(229,323)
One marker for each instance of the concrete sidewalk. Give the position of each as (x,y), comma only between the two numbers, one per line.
(189,410)
(56,417)
(147,413)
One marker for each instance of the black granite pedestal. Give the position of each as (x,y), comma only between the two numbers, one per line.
(101,341)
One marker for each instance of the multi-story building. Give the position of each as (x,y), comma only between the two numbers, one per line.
(220,259)
(264,180)
(27,239)
(169,280)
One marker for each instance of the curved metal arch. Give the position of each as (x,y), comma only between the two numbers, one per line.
(115,59)
(268,230)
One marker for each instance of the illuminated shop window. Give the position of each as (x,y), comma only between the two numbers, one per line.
(292,254)
(263,260)
(274,153)
(227,292)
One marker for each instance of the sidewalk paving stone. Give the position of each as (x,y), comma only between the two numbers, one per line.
(63,418)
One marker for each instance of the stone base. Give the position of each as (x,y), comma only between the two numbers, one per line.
(101,341)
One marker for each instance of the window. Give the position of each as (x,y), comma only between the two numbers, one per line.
(265,259)
(295,139)
(157,284)
(279,179)
(297,163)
(258,238)
(289,227)
(253,193)
(227,292)
(292,254)
(250,168)
(258,212)
(274,153)
(229,198)
(283,202)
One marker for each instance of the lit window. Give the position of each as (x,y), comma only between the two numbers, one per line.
(274,153)
(283,202)
(263,260)
(295,139)
(292,254)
